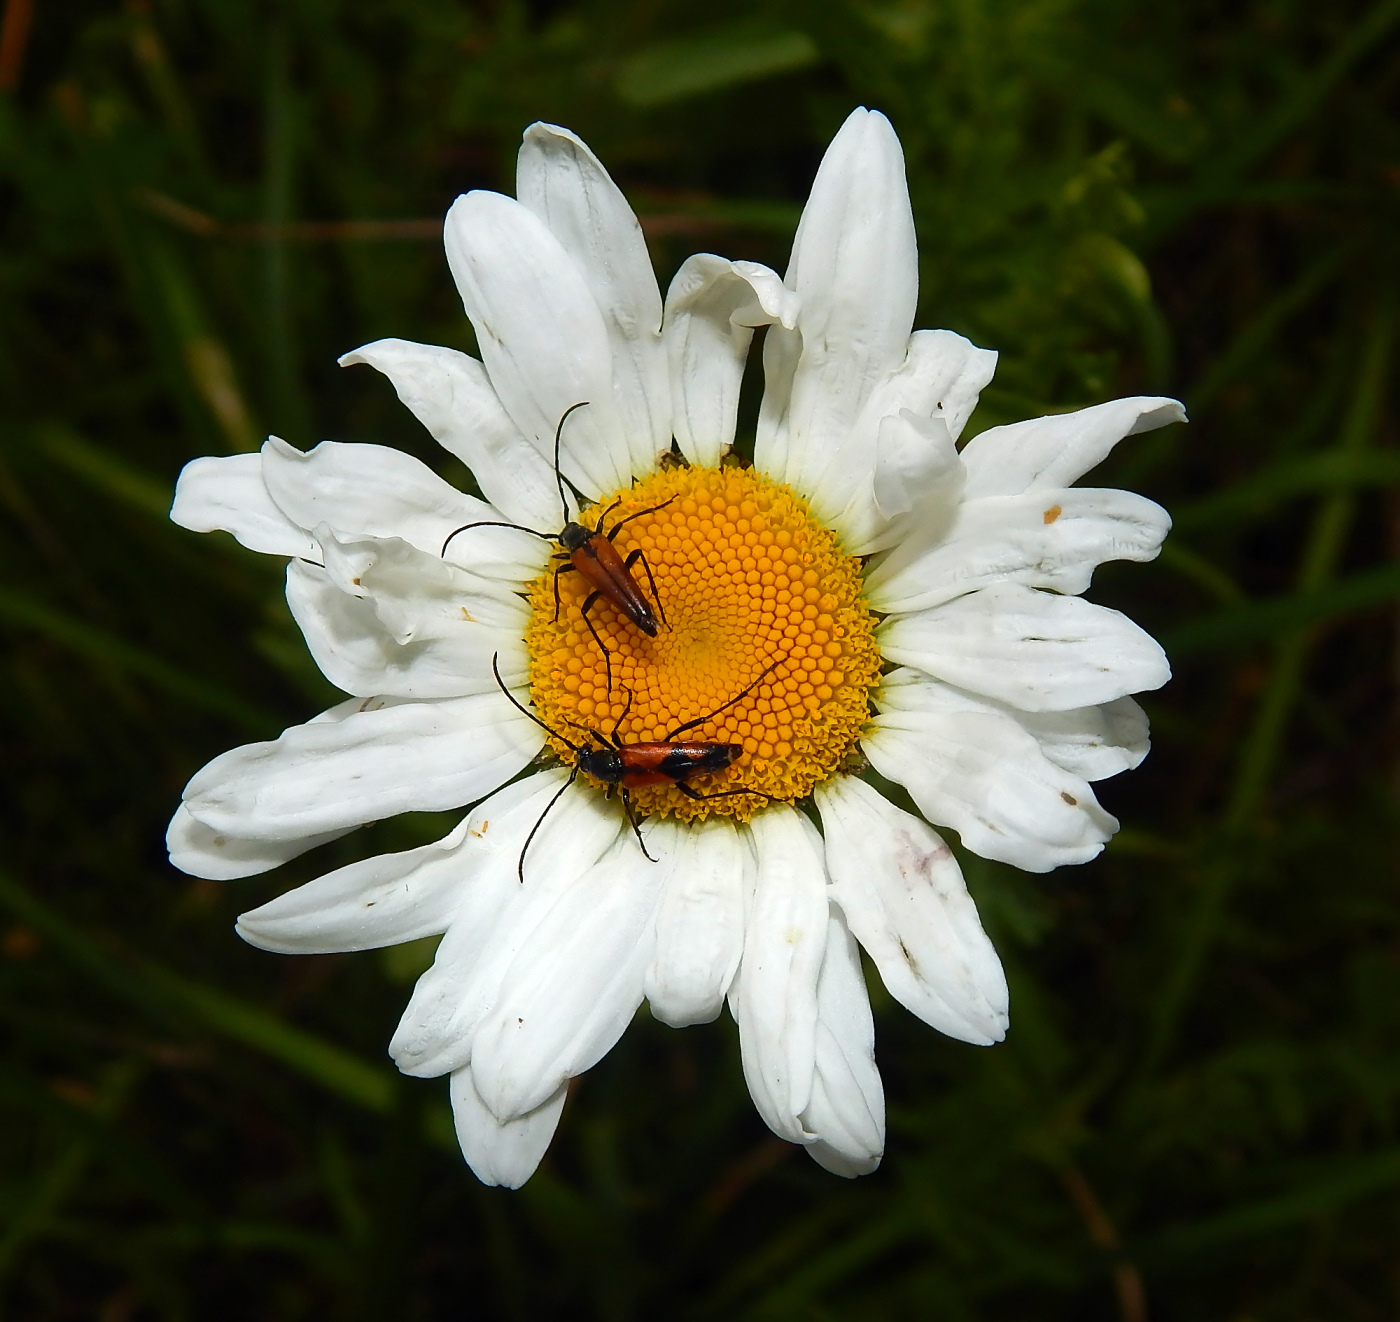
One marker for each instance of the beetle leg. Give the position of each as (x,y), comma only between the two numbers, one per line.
(602,518)
(588,620)
(612,738)
(563,569)
(723,794)
(636,826)
(655,595)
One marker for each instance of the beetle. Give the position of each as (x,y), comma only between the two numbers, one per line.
(627,767)
(591,552)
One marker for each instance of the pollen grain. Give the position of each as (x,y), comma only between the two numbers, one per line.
(747,579)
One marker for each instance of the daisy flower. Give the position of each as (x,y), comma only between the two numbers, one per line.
(891,603)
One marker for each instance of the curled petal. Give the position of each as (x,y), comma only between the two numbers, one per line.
(1056,451)
(1033,650)
(218,856)
(501,1152)
(541,333)
(700,919)
(329,775)
(1045,539)
(712,308)
(904,898)
(565,185)
(942,376)
(228,494)
(847,1111)
(774,995)
(451,395)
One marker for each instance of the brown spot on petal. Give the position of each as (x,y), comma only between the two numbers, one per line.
(1069,799)
(1053,513)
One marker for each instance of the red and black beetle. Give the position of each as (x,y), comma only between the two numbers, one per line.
(627,767)
(592,554)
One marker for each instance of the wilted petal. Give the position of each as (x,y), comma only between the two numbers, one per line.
(574,985)
(774,994)
(498,914)
(541,333)
(326,776)
(1045,539)
(565,185)
(904,898)
(942,376)
(847,1110)
(501,1152)
(712,308)
(451,395)
(371,490)
(700,919)
(228,494)
(1058,450)
(219,856)
(1034,650)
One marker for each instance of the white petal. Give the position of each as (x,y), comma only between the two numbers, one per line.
(385,618)
(847,1110)
(378,901)
(913,493)
(903,895)
(712,307)
(326,776)
(855,267)
(942,376)
(983,775)
(218,856)
(499,1152)
(1044,539)
(451,395)
(565,185)
(574,985)
(1058,450)
(541,333)
(1092,742)
(774,994)
(700,921)
(1035,650)
(228,494)
(497,916)
(371,490)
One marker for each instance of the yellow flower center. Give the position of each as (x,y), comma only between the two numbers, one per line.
(746,580)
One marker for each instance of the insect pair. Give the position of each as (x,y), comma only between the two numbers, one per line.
(627,767)
(592,554)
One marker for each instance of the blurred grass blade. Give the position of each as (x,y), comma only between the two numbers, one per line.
(709,60)
(1268,619)
(108,652)
(107,472)
(166,992)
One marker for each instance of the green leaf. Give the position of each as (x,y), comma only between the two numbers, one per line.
(710,60)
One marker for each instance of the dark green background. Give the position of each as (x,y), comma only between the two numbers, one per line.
(1195,1112)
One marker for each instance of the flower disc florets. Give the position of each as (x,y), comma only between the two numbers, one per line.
(747,580)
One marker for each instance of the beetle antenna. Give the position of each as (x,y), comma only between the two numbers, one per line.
(525,711)
(539,822)
(558,472)
(738,697)
(546,536)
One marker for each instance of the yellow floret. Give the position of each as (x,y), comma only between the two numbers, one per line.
(746,579)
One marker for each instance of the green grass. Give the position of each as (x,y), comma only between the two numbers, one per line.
(1196,1111)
